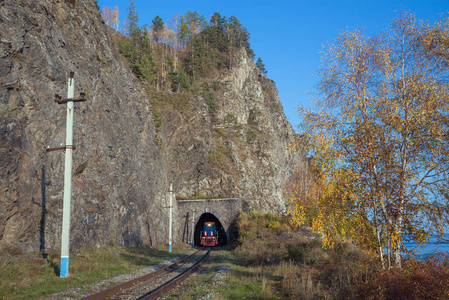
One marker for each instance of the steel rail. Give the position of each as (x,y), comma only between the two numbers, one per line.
(171,284)
(121,287)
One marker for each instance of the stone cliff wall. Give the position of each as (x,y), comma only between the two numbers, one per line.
(122,164)
(250,102)
(236,148)
(118,173)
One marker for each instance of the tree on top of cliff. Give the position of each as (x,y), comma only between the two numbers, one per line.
(133,29)
(192,47)
(115,20)
(190,24)
(106,14)
(157,27)
(110,16)
(97,5)
(261,66)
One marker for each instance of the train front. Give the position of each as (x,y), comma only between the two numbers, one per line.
(209,235)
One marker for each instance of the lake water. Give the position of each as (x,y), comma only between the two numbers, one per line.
(430,247)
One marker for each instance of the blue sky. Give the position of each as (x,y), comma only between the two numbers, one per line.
(289,35)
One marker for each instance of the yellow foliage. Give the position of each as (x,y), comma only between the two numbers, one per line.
(378,140)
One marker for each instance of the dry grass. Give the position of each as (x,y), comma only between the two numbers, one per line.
(298,267)
(428,279)
(30,276)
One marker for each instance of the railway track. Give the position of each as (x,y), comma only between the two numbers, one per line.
(150,286)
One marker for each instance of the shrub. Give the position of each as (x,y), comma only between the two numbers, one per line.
(220,157)
(215,85)
(303,267)
(274,224)
(253,116)
(157,119)
(428,279)
(209,98)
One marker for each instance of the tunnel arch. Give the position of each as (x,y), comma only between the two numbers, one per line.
(189,213)
(209,217)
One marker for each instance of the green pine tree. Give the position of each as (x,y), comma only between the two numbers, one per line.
(261,66)
(97,5)
(157,27)
(134,31)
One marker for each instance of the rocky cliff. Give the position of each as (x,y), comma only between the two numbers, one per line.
(234,147)
(228,141)
(117,164)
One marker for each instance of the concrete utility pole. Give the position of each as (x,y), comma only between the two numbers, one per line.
(192,241)
(67,182)
(170,219)
(65,236)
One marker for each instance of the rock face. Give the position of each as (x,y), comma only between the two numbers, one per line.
(117,164)
(235,146)
(123,163)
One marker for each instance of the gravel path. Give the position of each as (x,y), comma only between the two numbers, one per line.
(196,282)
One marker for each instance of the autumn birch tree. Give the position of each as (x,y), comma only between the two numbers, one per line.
(115,20)
(108,16)
(383,118)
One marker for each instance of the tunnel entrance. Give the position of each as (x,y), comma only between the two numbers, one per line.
(208,217)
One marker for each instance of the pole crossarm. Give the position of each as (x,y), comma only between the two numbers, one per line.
(73,147)
(59,99)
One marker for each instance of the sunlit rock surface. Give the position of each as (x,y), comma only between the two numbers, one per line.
(122,166)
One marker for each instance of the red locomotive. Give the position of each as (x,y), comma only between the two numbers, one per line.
(209,236)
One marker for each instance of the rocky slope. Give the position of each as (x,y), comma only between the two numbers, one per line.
(236,147)
(123,163)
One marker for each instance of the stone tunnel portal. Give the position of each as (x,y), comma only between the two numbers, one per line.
(208,217)
(198,211)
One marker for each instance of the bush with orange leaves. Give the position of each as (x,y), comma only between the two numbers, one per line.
(427,279)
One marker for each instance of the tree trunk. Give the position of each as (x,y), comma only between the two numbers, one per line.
(379,242)
(397,247)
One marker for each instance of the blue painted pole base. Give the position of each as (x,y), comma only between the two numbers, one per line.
(169,248)
(64,267)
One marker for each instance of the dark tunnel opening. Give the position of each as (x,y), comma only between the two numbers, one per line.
(208,217)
